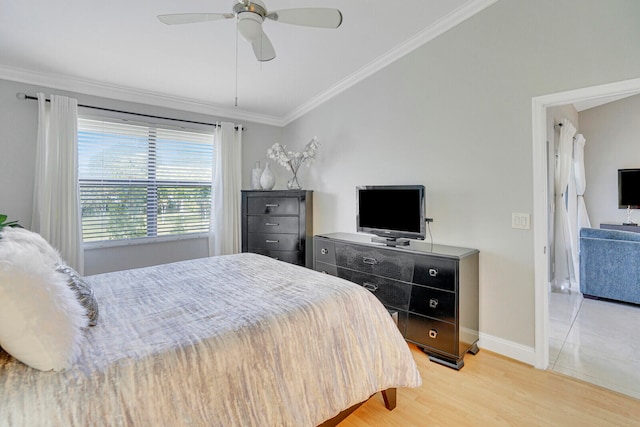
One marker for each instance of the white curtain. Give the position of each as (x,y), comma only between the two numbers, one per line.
(581,182)
(571,199)
(564,260)
(581,218)
(225,231)
(56,202)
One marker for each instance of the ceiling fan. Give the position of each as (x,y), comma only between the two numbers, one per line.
(251,14)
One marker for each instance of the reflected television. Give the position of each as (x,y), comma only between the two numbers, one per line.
(628,188)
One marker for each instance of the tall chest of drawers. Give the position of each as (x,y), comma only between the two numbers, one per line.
(279,224)
(433,288)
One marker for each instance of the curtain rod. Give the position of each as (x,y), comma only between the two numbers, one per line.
(24,96)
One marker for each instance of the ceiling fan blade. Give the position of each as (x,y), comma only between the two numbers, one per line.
(190,18)
(263,49)
(309,17)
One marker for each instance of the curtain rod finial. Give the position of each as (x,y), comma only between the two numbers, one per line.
(21,96)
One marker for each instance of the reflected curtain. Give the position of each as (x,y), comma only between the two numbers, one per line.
(581,219)
(56,203)
(225,231)
(571,199)
(563,258)
(581,182)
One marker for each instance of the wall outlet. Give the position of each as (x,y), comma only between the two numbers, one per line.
(521,221)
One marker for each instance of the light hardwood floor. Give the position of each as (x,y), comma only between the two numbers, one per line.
(492,390)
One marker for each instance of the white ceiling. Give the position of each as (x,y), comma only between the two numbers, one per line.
(118,49)
(587,104)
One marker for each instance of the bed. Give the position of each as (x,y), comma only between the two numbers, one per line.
(237,340)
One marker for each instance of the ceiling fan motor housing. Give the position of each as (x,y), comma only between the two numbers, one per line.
(250,18)
(255,6)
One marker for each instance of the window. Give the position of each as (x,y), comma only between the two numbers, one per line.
(142,181)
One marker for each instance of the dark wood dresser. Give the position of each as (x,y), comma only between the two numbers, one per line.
(278,224)
(432,288)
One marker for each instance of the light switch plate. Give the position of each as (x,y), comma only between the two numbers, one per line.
(521,221)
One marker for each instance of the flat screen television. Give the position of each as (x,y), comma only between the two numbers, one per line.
(628,188)
(391,212)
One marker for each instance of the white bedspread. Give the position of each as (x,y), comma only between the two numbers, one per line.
(239,340)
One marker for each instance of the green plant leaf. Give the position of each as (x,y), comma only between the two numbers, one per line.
(3,218)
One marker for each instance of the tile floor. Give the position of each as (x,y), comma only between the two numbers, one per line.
(595,341)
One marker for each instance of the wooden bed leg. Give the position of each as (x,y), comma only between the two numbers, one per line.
(389,396)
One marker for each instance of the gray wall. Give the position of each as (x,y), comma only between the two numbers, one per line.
(18,131)
(455,115)
(612,133)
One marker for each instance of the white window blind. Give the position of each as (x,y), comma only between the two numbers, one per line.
(142,181)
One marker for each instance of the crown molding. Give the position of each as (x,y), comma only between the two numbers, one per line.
(441,26)
(122,93)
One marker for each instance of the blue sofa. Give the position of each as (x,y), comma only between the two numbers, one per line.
(610,264)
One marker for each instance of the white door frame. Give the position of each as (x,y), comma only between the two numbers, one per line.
(540,213)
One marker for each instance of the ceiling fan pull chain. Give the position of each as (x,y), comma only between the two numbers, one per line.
(236,104)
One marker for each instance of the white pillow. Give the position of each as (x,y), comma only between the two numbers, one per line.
(21,237)
(41,319)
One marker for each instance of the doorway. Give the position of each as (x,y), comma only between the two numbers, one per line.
(540,192)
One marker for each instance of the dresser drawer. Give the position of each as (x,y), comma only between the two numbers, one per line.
(391,293)
(273,224)
(401,316)
(273,206)
(433,303)
(292,257)
(431,333)
(326,268)
(436,272)
(272,241)
(375,261)
(324,250)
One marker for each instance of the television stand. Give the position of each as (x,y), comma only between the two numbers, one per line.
(623,227)
(390,241)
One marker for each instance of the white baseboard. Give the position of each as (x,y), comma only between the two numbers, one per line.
(509,349)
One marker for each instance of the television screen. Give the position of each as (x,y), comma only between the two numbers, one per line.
(629,188)
(391,211)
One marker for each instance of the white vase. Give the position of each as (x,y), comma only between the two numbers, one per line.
(267,179)
(256,173)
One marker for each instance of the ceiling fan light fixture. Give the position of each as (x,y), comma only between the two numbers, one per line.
(250,26)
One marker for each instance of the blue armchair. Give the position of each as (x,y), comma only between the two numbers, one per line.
(610,264)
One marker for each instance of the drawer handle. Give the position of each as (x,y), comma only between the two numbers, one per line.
(433,303)
(272,241)
(433,333)
(370,286)
(271,224)
(433,272)
(324,251)
(370,261)
(272,205)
